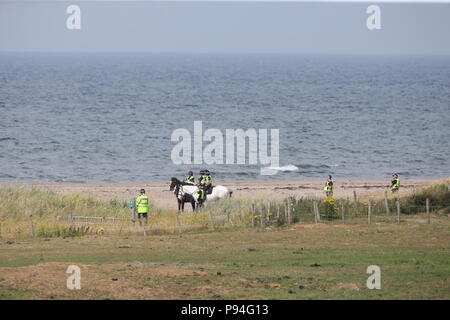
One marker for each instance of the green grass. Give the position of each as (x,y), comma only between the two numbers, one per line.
(277,264)
(301,261)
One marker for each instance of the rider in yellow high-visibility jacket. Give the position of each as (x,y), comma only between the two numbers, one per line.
(206,182)
(142,205)
(395,183)
(200,195)
(190,178)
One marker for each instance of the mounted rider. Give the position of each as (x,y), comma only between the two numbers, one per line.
(197,193)
(201,174)
(190,178)
(200,195)
(206,182)
(204,186)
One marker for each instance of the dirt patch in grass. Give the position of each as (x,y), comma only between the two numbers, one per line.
(348,286)
(100,281)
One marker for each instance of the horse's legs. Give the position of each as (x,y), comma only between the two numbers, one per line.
(193,205)
(179,205)
(182,206)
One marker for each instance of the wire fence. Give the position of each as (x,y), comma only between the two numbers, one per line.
(331,211)
(47,215)
(259,214)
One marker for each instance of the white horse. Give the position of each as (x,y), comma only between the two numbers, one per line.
(185,192)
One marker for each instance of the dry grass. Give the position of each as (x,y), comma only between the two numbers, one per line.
(50,213)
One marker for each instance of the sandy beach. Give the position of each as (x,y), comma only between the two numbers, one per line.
(162,197)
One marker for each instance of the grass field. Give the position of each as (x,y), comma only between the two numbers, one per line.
(227,259)
(304,261)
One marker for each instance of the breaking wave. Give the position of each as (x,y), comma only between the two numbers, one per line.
(289,167)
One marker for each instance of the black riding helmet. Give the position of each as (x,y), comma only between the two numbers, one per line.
(142,191)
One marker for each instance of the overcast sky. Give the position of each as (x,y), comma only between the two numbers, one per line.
(226,27)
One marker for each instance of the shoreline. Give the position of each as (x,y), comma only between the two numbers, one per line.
(162,197)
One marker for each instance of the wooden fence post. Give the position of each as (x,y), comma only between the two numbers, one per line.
(143,226)
(398,211)
(386,203)
(278,212)
(343,212)
(355,199)
(180,227)
(286,213)
(104,224)
(289,218)
(292,212)
(316,212)
(30,218)
(369,211)
(211,217)
(253,215)
(262,218)
(427,203)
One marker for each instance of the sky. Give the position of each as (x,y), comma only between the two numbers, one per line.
(226,27)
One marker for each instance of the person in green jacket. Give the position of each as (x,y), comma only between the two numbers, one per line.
(142,205)
(328,188)
(201,175)
(190,178)
(206,182)
(200,195)
(395,183)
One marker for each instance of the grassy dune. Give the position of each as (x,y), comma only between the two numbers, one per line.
(50,212)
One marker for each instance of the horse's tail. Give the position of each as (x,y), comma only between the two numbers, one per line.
(230,193)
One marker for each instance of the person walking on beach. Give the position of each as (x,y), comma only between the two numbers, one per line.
(395,183)
(142,206)
(328,187)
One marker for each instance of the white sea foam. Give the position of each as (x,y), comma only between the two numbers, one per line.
(289,167)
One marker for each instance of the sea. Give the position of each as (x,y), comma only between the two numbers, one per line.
(110,117)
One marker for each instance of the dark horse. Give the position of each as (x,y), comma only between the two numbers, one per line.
(184,192)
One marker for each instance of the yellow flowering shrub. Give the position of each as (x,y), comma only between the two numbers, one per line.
(331,209)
